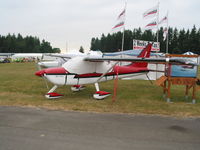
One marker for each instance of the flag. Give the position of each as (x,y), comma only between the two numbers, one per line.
(165,32)
(119,25)
(122,14)
(120,20)
(151,12)
(151,25)
(164,20)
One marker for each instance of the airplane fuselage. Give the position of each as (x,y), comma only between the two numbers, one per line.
(76,79)
(76,71)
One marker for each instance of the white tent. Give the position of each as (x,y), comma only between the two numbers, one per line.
(189,53)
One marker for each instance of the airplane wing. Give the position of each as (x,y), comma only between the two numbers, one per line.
(150,60)
(60,55)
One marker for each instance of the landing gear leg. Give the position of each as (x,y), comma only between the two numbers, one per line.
(51,94)
(97,86)
(99,95)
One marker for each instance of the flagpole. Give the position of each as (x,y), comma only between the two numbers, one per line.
(122,44)
(123,29)
(122,48)
(157,35)
(167,41)
(123,39)
(158,21)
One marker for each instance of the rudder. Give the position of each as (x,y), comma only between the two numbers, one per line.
(145,53)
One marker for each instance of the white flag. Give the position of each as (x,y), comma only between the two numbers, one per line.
(164,20)
(151,25)
(120,21)
(151,12)
(165,33)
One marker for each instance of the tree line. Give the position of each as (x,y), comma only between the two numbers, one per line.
(180,41)
(29,44)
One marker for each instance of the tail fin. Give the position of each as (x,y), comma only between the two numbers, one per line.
(145,53)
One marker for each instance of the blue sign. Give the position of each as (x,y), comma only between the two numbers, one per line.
(184,71)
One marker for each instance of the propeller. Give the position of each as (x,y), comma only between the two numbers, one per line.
(38,67)
(45,80)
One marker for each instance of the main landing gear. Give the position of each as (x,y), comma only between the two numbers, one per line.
(52,95)
(99,95)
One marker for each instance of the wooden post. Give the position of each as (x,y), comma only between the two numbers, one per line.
(194,94)
(164,89)
(186,92)
(168,90)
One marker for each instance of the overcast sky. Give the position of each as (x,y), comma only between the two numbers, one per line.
(76,21)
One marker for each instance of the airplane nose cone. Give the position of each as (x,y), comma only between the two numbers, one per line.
(40,73)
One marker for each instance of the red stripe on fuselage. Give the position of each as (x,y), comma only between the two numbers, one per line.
(120,70)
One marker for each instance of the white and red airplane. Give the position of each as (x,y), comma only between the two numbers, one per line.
(86,70)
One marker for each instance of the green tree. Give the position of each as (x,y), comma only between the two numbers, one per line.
(194,40)
(81,49)
(93,44)
(56,50)
(20,44)
(182,41)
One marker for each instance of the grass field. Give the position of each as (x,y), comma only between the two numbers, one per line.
(20,87)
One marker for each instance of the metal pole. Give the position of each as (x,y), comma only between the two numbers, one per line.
(157,34)
(124,28)
(167,40)
(123,32)
(158,22)
(123,40)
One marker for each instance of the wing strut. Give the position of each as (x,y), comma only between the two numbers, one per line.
(149,79)
(106,72)
(38,67)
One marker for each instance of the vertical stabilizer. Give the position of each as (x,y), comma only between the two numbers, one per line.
(145,53)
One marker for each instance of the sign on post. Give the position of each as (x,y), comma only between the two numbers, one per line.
(140,45)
